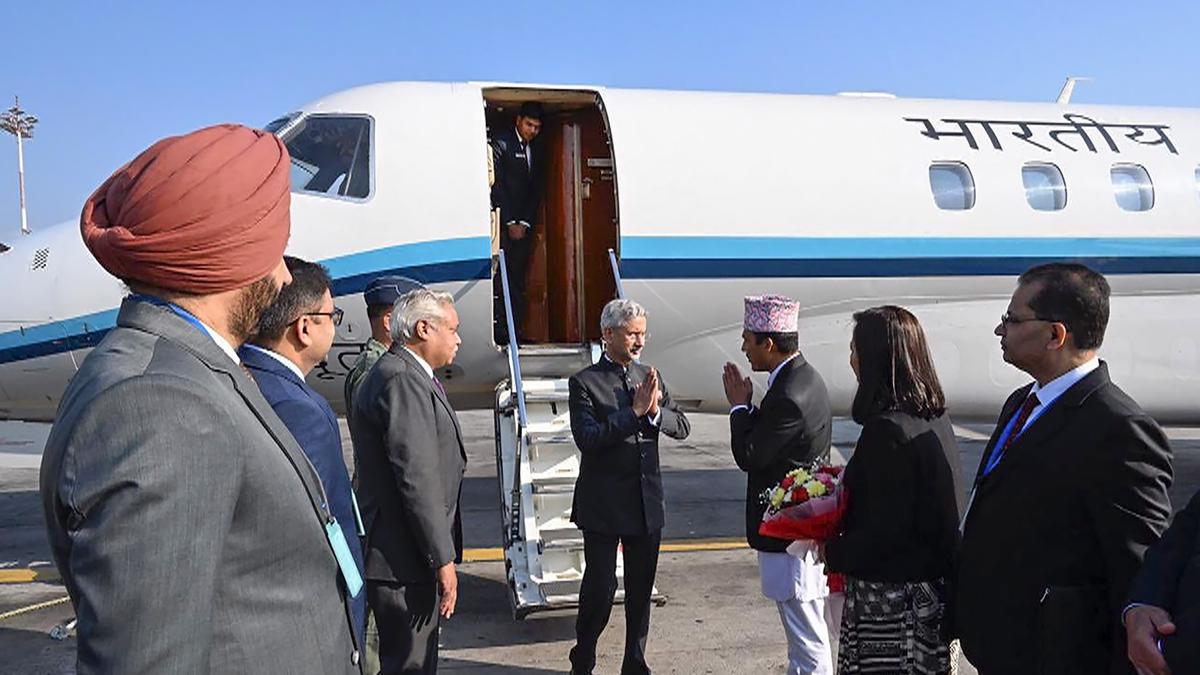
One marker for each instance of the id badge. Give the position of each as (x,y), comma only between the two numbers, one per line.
(345,559)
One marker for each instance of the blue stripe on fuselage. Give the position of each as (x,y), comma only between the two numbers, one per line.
(660,257)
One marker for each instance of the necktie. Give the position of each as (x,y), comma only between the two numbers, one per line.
(1014,431)
(528,159)
(439,386)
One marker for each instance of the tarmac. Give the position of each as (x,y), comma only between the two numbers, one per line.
(715,620)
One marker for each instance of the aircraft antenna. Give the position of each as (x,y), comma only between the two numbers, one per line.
(1064,96)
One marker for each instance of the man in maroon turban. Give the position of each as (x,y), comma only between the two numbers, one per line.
(186,522)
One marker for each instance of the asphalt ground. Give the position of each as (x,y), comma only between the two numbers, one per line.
(715,619)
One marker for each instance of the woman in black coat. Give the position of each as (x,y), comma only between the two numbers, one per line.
(898,536)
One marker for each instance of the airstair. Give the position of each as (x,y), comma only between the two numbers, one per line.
(537,464)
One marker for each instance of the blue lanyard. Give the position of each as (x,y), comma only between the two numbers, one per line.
(183,313)
(997,455)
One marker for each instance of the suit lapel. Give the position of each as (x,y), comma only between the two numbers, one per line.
(437,393)
(164,322)
(1038,435)
(1006,413)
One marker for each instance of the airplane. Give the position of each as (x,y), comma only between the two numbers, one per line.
(686,202)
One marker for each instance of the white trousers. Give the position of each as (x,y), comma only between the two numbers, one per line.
(797,585)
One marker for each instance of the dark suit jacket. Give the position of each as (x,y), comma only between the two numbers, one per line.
(1056,532)
(183,517)
(619,490)
(904,486)
(517,189)
(411,461)
(313,423)
(1170,579)
(791,428)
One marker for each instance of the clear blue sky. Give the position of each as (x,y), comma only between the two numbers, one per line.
(108,79)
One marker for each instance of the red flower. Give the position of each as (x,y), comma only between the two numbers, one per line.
(787,482)
(799,495)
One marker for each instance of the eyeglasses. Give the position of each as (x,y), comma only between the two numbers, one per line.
(1009,319)
(335,316)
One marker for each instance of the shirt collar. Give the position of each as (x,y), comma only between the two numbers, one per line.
(775,373)
(278,357)
(1059,385)
(221,342)
(520,140)
(428,368)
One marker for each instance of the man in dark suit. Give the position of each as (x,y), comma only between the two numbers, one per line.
(293,336)
(791,428)
(411,461)
(1162,621)
(1071,489)
(517,193)
(618,409)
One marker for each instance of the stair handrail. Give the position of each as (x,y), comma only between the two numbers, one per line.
(616,269)
(518,390)
(514,362)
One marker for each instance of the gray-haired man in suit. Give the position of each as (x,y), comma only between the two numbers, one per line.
(189,527)
(410,467)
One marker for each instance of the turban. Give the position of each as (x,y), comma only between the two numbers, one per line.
(771,314)
(201,213)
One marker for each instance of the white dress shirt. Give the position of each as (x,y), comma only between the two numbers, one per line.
(424,364)
(1055,388)
(221,342)
(287,363)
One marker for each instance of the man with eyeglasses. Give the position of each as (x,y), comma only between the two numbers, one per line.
(1071,489)
(294,335)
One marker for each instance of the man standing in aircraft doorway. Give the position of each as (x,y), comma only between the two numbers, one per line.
(791,428)
(517,193)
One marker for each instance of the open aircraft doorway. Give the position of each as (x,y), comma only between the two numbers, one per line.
(568,276)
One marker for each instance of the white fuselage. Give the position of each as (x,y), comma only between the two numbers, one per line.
(825,199)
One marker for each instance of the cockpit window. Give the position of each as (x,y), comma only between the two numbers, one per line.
(278,123)
(331,155)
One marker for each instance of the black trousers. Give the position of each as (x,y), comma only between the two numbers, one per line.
(516,255)
(407,620)
(596,597)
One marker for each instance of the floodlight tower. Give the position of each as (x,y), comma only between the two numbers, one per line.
(20,124)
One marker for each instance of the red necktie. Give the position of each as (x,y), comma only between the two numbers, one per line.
(1014,431)
(1022,417)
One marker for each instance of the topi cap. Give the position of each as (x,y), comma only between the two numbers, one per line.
(771,314)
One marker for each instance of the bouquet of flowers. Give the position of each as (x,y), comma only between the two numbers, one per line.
(807,504)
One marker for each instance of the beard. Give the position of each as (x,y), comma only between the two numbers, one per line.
(248,309)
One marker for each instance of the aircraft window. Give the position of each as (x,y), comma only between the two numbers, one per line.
(1045,189)
(1198,181)
(1132,187)
(331,155)
(952,184)
(278,123)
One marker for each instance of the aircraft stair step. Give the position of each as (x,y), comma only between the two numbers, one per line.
(565,544)
(546,390)
(553,360)
(549,433)
(558,477)
(558,485)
